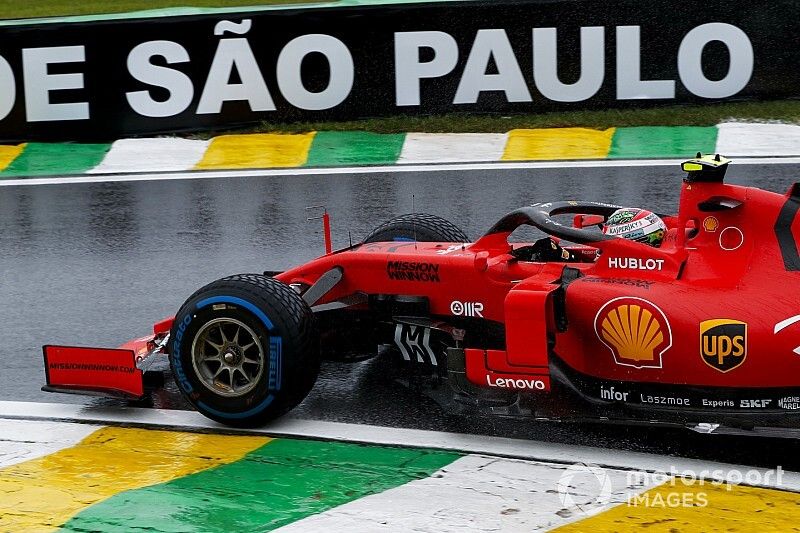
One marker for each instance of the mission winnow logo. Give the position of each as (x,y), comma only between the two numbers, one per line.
(413,271)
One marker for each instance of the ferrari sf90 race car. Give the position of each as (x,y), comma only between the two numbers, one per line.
(702,331)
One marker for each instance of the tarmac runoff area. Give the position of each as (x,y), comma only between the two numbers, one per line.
(79,468)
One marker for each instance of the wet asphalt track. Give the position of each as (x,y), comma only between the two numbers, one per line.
(97,264)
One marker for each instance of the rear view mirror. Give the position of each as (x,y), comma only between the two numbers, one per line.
(585,221)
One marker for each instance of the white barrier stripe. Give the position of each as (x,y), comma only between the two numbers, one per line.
(152,155)
(336,431)
(390,169)
(745,139)
(479,493)
(452,147)
(22,440)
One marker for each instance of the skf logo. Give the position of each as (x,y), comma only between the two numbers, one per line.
(723,343)
(636,331)
(754,404)
(466,309)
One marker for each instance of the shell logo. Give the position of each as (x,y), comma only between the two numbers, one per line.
(710,224)
(635,330)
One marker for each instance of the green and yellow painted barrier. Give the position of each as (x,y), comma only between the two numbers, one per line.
(58,476)
(349,148)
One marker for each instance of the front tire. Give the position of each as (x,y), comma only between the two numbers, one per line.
(420,227)
(244,350)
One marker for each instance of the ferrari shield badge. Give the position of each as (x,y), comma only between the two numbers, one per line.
(635,330)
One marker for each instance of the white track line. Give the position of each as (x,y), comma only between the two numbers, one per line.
(387,169)
(288,427)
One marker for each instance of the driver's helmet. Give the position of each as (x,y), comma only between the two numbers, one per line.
(637,225)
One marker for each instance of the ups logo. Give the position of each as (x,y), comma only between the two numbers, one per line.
(723,343)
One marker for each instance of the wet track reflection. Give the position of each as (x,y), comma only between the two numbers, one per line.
(97,264)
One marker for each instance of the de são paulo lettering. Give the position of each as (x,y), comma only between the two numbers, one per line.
(168,76)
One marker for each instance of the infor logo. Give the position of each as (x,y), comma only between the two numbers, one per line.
(723,343)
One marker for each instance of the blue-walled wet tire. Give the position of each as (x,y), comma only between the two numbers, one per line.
(421,227)
(244,350)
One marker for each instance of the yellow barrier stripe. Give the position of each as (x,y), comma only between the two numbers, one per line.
(259,150)
(8,154)
(558,143)
(42,494)
(675,507)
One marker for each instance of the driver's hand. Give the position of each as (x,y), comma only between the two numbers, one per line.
(547,249)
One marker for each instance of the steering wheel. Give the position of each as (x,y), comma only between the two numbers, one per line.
(541,216)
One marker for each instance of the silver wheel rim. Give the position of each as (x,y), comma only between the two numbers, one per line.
(228,357)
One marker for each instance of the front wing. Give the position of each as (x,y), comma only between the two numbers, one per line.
(97,371)
(115,372)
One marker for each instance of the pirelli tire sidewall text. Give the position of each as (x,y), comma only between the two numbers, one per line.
(286,329)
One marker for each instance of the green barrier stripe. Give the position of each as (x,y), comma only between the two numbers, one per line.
(280,483)
(162,13)
(46,159)
(662,141)
(187,11)
(355,148)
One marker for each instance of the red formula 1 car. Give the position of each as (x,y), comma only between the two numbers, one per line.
(702,331)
